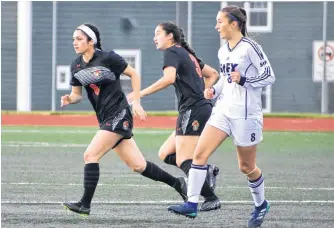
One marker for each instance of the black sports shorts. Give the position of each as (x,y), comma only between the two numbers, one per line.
(121,123)
(192,121)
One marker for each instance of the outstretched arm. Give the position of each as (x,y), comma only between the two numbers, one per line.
(168,79)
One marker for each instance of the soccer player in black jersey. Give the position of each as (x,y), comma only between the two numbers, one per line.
(190,76)
(99,72)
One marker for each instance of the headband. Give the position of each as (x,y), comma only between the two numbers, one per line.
(89,32)
(233,17)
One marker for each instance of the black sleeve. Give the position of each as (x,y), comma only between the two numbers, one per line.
(171,59)
(74,81)
(201,64)
(117,63)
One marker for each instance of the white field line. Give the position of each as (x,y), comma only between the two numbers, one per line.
(59,131)
(40,144)
(162,186)
(136,131)
(159,202)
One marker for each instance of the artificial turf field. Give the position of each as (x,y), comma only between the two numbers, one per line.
(43,167)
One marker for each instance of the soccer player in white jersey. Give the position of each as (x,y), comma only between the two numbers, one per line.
(245,70)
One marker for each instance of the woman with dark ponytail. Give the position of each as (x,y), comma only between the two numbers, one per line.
(245,70)
(99,73)
(185,71)
(186,46)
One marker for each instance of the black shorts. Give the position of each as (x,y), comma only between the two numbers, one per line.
(121,123)
(192,121)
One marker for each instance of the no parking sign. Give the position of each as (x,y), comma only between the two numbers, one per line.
(318,64)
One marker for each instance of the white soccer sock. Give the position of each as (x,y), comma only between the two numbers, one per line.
(196,179)
(257,189)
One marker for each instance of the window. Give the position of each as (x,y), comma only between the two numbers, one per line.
(63,77)
(260,16)
(266,99)
(133,58)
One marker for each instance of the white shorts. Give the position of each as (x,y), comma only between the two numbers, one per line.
(245,132)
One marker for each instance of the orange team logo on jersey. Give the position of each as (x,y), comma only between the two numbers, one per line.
(195,125)
(126,125)
(95,88)
(97,73)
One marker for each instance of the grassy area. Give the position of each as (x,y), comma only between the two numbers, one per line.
(167,113)
(148,139)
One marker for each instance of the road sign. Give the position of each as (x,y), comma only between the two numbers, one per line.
(318,64)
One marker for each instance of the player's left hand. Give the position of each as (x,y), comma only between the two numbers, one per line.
(130,97)
(235,76)
(139,111)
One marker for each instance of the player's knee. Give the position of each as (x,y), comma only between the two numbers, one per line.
(89,157)
(200,157)
(246,168)
(162,154)
(138,168)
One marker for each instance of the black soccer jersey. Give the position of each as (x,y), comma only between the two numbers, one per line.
(189,83)
(100,77)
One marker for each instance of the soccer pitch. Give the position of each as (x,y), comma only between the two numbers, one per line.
(43,166)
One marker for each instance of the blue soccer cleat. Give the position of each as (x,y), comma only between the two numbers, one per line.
(257,216)
(187,209)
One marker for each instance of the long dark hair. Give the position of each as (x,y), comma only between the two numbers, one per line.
(179,37)
(237,14)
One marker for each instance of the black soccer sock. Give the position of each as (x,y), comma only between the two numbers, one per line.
(154,172)
(206,191)
(91,177)
(171,159)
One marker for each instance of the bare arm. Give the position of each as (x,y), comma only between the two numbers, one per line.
(135,82)
(73,98)
(76,94)
(168,79)
(210,76)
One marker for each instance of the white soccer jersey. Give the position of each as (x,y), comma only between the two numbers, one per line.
(242,100)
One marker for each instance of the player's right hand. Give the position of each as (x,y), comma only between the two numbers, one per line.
(139,111)
(208,93)
(129,97)
(65,100)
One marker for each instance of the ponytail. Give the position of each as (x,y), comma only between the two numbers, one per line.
(98,44)
(186,46)
(243,27)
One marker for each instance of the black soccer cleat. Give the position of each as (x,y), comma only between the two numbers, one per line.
(211,176)
(210,204)
(77,207)
(182,188)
